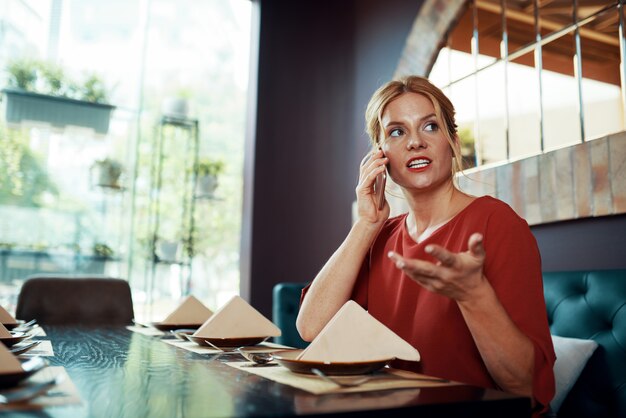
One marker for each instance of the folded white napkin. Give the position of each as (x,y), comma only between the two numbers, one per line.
(191,311)
(8,362)
(353,335)
(6,317)
(237,319)
(4,332)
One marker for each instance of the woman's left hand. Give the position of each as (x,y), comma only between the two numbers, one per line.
(456,275)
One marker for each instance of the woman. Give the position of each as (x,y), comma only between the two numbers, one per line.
(458,277)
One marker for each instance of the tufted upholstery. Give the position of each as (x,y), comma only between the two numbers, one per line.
(285,307)
(592,305)
(82,300)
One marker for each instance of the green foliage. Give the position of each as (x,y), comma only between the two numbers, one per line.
(112,167)
(186,93)
(102,250)
(23,179)
(22,74)
(94,90)
(52,78)
(48,78)
(468,151)
(209,166)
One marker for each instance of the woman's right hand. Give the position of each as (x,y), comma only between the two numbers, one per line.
(367,203)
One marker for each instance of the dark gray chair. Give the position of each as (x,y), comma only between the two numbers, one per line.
(75,300)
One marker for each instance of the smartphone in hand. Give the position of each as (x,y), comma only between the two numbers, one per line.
(379,189)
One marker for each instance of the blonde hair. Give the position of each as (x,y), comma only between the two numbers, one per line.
(444,111)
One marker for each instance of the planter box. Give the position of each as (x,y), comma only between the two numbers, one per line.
(57,111)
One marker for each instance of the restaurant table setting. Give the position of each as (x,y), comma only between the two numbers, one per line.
(228,366)
(7,319)
(28,346)
(51,386)
(352,344)
(264,347)
(384,379)
(10,338)
(236,324)
(350,354)
(14,332)
(26,379)
(41,348)
(189,315)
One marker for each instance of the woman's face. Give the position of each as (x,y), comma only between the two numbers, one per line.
(419,154)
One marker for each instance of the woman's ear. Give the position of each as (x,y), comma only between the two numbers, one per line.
(383,143)
(455,143)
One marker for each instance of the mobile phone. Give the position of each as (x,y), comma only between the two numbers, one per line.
(379,189)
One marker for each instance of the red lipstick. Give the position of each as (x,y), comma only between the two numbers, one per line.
(417,164)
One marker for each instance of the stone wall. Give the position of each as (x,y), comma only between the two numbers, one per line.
(584,180)
(580,181)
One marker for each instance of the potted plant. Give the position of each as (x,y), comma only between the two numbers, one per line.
(207,172)
(39,91)
(106,173)
(168,251)
(102,250)
(93,90)
(22,74)
(177,105)
(468,150)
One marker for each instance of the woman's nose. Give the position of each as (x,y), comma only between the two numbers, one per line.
(414,141)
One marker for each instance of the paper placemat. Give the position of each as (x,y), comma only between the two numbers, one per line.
(149,331)
(199,349)
(191,346)
(308,404)
(64,393)
(43,349)
(389,379)
(38,332)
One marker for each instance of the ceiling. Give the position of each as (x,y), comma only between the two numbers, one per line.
(599,34)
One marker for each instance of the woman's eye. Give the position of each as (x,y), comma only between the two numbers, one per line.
(395,132)
(431,127)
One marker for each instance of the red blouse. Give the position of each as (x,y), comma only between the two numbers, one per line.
(433,323)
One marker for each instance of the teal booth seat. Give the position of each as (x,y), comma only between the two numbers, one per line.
(285,306)
(592,305)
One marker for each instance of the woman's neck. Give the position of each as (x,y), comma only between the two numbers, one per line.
(431,209)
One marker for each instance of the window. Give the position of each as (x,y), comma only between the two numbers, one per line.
(67,220)
(533,76)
